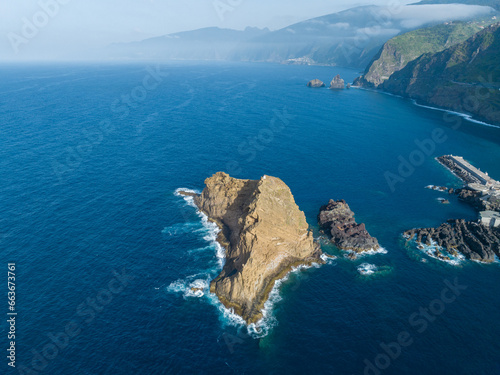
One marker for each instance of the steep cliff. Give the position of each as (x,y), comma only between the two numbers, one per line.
(264,234)
(402,49)
(464,77)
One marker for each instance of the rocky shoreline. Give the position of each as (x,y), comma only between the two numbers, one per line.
(265,236)
(474,240)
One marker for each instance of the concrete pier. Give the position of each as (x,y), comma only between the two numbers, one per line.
(474,177)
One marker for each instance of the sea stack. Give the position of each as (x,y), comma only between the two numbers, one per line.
(337,219)
(337,83)
(316,83)
(264,235)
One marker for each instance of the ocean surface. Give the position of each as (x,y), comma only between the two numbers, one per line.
(106,253)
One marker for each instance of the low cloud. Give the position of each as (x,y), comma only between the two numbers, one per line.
(340,25)
(413,16)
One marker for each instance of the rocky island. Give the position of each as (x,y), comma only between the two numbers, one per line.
(337,83)
(337,219)
(316,83)
(264,234)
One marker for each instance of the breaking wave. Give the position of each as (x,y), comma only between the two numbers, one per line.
(367,269)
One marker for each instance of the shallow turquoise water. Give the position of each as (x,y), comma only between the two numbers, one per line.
(90,161)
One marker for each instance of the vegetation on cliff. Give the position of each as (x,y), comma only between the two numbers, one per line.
(402,49)
(463,78)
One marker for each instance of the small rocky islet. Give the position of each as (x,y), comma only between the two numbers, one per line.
(337,220)
(315,83)
(337,83)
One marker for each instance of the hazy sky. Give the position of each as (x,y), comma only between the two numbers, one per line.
(76,24)
(44,28)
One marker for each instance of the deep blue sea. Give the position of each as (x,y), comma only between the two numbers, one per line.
(106,253)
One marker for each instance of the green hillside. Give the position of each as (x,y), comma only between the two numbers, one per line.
(402,49)
(464,77)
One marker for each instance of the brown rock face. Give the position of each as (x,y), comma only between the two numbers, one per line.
(337,83)
(316,83)
(264,234)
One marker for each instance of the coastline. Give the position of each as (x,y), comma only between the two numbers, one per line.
(465,116)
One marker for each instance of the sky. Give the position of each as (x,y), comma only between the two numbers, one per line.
(42,28)
(74,25)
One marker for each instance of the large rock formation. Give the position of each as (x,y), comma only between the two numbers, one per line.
(337,219)
(452,78)
(337,83)
(316,83)
(264,234)
(475,241)
(400,50)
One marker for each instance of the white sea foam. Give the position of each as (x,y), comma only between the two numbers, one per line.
(430,249)
(463,115)
(328,259)
(189,288)
(437,188)
(189,200)
(212,230)
(367,269)
(380,250)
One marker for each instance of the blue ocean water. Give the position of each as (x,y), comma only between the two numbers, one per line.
(106,253)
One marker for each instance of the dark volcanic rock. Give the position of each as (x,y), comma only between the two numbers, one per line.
(475,241)
(316,83)
(473,198)
(337,219)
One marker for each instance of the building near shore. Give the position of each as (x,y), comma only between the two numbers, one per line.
(490,218)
